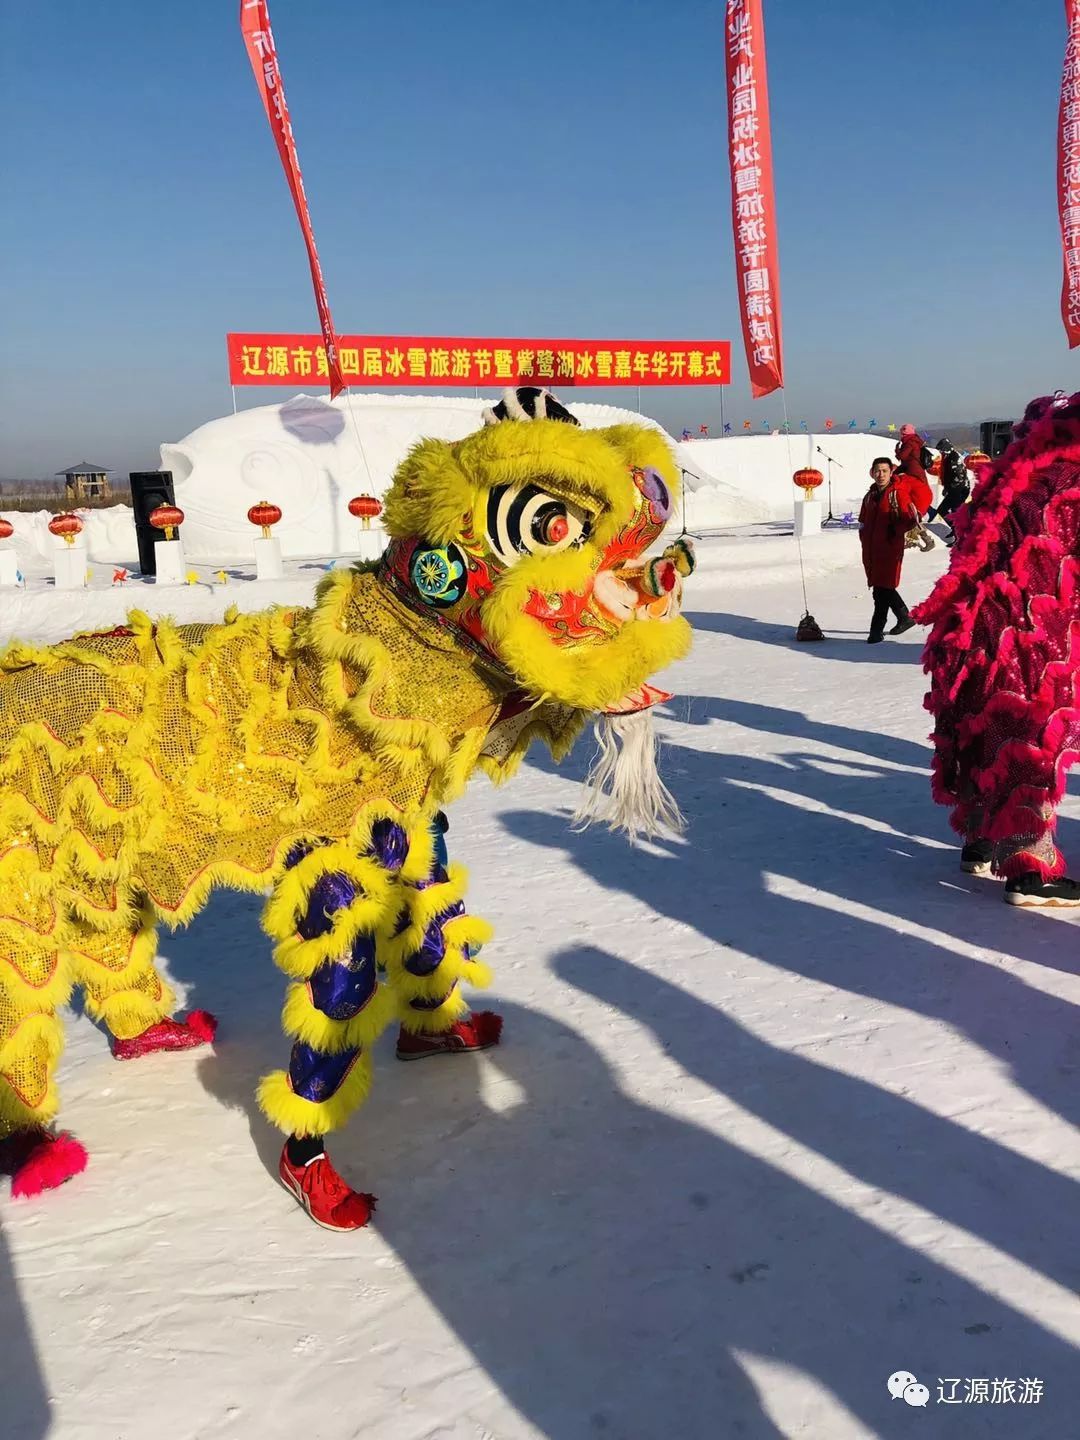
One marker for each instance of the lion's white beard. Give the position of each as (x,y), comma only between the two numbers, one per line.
(623,790)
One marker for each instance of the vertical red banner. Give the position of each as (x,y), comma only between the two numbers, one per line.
(259,40)
(753,209)
(1069,174)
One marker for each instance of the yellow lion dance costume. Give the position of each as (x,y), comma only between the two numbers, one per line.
(308,752)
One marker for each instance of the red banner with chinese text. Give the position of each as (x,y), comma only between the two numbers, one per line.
(753,209)
(1069,174)
(259,40)
(405,361)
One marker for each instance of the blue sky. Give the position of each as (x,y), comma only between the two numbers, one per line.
(484,168)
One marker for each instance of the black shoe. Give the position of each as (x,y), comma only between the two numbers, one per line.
(975,858)
(902,626)
(1033,890)
(875,637)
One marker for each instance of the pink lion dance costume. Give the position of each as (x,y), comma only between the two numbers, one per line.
(1003,658)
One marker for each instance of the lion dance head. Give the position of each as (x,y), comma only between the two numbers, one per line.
(528,538)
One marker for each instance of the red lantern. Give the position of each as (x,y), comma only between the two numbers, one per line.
(808,481)
(264,514)
(66,525)
(167,518)
(366,508)
(6,529)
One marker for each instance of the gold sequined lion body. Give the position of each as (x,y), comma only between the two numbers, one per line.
(296,750)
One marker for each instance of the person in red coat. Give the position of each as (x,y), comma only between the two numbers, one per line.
(910,452)
(891,506)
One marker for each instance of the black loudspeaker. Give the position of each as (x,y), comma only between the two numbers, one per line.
(149,489)
(994,435)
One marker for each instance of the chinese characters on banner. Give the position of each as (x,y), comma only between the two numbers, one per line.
(1069,174)
(402,361)
(752,206)
(259,40)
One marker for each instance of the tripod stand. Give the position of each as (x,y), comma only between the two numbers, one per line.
(830,519)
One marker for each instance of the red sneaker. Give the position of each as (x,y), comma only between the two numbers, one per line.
(38,1160)
(321,1191)
(479,1032)
(199,1028)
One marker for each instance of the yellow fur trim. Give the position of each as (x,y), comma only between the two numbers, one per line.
(453,969)
(15,1116)
(468,931)
(429,495)
(434,1022)
(31,1031)
(296,1116)
(300,958)
(110,974)
(640,445)
(301,1020)
(422,907)
(421,857)
(28,999)
(130,1014)
(35,1045)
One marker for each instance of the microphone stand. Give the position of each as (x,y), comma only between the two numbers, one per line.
(830,519)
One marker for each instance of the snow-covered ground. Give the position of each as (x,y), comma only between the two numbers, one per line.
(781,1110)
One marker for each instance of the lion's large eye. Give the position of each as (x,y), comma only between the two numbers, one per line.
(524,519)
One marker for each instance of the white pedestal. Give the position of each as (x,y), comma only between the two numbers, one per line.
(807,517)
(268,564)
(70,566)
(9,568)
(169,562)
(372,545)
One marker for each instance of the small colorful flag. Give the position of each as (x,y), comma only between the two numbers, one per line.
(828,424)
(851,425)
(764,425)
(786,427)
(746,424)
(892,425)
(221,577)
(872,425)
(802,424)
(727,427)
(703,431)
(120,576)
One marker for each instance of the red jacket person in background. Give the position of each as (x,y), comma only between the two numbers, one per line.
(909,455)
(893,504)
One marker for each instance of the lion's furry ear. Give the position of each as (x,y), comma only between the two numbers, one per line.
(430,495)
(640,445)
